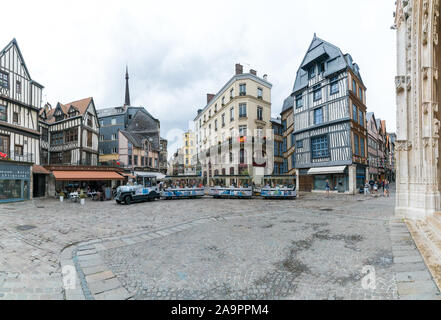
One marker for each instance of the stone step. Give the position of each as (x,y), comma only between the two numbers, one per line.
(430,246)
(433,234)
(435,221)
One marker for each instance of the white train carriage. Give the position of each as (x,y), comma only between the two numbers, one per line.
(182,187)
(279,187)
(240,187)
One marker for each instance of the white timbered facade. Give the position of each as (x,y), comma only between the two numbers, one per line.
(69,133)
(20,100)
(328,125)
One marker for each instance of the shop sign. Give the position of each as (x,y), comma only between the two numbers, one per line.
(14,172)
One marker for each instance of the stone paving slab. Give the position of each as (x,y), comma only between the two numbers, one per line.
(413,276)
(417,287)
(115,294)
(408,259)
(103,285)
(94,270)
(100,276)
(410,267)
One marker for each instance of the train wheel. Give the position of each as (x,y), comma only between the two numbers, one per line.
(127,200)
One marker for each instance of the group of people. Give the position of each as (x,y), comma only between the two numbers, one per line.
(181,185)
(374,187)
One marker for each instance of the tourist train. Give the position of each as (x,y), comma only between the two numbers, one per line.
(147,188)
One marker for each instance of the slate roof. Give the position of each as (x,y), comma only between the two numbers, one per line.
(277,120)
(288,103)
(110,112)
(140,125)
(134,139)
(318,51)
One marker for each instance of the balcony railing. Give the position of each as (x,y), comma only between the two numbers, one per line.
(25,157)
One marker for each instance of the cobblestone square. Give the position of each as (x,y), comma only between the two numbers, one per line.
(311,248)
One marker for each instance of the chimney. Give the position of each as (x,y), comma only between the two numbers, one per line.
(239,68)
(210,97)
(254,72)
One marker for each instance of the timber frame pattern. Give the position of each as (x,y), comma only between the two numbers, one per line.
(418,117)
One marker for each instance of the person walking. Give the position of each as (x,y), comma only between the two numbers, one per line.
(387,189)
(376,188)
(366,188)
(371,183)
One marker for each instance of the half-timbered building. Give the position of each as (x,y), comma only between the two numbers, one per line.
(373,146)
(327,128)
(69,133)
(20,100)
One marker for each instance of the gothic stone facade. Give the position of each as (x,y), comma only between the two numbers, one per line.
(418,116)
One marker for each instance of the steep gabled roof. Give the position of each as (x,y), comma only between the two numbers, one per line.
(135,139)
(321,50)
(81,106)
(14,43)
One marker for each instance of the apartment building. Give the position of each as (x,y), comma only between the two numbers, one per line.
(233,126)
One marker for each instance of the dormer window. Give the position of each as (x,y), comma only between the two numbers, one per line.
(59,116)
(321,67)
(311,72)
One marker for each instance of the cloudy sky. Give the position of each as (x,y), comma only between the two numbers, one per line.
(178,51)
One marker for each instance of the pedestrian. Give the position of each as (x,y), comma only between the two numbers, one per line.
(328,188)
(376,188)
(387,189)
(371,183)
(366,188)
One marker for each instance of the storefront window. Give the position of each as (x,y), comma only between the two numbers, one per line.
(10,189)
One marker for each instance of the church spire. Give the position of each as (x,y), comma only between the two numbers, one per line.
(127,100)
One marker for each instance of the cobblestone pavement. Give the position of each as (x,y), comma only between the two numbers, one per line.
(311,248)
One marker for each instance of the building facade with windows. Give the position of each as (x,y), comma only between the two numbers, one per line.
(137,152)
(373,147)
(163,155)
(328,104)
(20,101)
(229,125)
(69,133)
(189,151)
(276,124)
(133,120)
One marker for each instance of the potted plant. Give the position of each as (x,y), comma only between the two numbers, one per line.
(82,198)
(62,195)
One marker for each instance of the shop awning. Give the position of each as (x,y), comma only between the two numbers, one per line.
(39,170)
(326,170)
(86,175)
